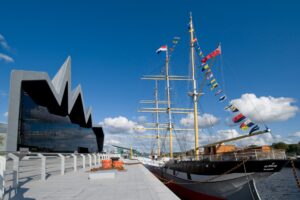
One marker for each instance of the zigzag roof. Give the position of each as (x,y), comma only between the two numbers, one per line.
(57,86)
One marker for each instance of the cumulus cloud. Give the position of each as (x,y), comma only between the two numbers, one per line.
(6,58)
(3,43)
(268,109)
(297,134)
(264,139)
(119,125)
(204,121)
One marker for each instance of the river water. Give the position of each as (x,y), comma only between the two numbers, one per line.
(281,185)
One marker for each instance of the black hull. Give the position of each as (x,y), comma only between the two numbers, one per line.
(201,180)
(220,167)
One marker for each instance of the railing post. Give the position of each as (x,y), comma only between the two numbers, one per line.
(95,159)
(255,154)
(43,166)
(90,159)
(235,156)
(16,161)
(62,164)
(98,158)
(75,162)
(83,161)
(2,179)
(273,154)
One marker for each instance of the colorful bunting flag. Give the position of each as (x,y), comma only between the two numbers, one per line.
(223,98)
(218,92)
(227,107)
(255,128)
(209,76)
(205,67)
(212,54)
(212,81)
(246,124)
(234,109)
(240,117)
(214,86)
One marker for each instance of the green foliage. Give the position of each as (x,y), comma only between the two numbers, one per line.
(289,148)
(280,145)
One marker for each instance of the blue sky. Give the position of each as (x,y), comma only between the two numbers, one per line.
(113,43)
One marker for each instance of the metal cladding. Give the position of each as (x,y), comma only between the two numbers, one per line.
(56,94)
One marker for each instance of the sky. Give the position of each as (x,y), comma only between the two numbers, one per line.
(112,44)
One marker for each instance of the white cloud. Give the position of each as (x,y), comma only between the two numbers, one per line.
(119,125)
(204,121)
(5,114)
(264,139)
(3,43)
(6,58)
(297,134)
(266,108)
(112,141)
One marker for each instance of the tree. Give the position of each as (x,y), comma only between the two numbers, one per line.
(280,145)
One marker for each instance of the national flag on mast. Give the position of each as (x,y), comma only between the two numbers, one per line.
(212,54)
(162,48)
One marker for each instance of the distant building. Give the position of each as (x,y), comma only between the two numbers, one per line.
(48,116)
(3,133)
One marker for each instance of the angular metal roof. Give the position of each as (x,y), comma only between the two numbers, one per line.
(59,88)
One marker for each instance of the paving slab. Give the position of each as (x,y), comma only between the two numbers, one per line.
(135,183)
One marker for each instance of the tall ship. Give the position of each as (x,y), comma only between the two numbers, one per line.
(204,172)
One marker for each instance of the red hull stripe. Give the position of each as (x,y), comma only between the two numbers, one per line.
(187,194)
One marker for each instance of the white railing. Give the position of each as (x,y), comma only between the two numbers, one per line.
(241,155)
(17,167)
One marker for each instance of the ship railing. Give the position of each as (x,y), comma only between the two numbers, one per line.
(240,155)
(19,167)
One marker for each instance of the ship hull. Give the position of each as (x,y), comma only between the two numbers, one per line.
(235,185)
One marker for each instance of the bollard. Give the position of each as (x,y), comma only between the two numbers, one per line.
(43,167)
(75,162)
(83,161)
(62,166)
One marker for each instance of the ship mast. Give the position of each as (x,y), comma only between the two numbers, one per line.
(170,128)
(157,119)
(194,94)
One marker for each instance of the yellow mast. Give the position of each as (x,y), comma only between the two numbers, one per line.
(194,93)
(169,105)
(157,119)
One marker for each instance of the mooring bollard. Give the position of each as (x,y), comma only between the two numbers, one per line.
(62,165)
(43,166)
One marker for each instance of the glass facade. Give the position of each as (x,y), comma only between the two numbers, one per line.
(40,130)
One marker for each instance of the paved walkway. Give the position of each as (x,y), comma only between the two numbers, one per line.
(135,183)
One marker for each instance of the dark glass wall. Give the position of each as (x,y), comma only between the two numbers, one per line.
(40,130)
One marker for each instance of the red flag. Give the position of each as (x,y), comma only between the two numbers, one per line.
(240,117)
(212,54)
